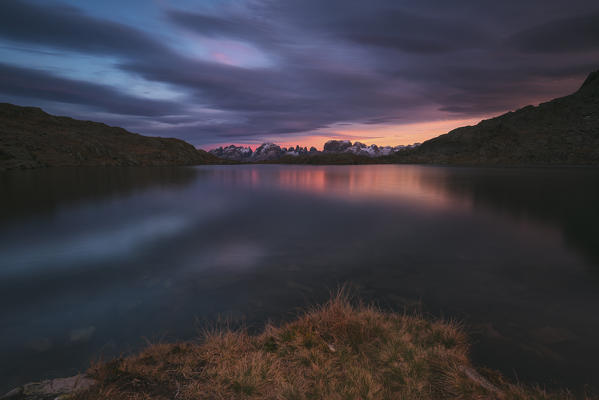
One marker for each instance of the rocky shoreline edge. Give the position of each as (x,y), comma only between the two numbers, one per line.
(51,389)
(334,351)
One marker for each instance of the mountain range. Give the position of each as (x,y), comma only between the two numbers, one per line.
(274,152)
(564,131)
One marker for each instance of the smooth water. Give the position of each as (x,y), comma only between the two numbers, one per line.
(95,262)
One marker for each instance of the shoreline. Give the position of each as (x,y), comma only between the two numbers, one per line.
(337,350)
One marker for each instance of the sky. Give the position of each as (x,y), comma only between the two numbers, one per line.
(217,72)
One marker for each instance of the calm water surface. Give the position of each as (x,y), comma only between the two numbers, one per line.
(94,262)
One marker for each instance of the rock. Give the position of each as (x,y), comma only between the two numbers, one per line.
(13,394)
(51,389)
(267,151)
(234,153)
(474,376)
(336,146)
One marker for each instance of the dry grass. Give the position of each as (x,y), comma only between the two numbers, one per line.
(335,351)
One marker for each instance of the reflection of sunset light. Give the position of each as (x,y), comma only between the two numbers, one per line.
(422,186)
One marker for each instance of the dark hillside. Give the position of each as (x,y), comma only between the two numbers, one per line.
(564,131)
(31,138)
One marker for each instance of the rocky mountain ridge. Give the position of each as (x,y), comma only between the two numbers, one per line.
(563,131)
(273,152)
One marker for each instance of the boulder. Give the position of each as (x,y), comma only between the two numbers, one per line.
(53,389)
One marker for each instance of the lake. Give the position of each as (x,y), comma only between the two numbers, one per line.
(97,262)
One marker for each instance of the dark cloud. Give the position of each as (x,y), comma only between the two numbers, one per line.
(66,27)
(492,86)
(31,83)
(329,62)
(235,26)
(580,33)
(410,33)
(290,100)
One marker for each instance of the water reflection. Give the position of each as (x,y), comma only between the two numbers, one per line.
(92,261)
(34,192)
(564,198)
(408,184)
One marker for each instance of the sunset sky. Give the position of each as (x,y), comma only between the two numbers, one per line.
(214,72)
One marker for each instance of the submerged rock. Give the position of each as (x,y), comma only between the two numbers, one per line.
(82,335)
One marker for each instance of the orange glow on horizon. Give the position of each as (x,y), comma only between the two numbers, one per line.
(381,135)
(403,134)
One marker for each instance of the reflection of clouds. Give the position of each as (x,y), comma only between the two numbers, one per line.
(39,344)
(97,245)
(235,255)
(109,230)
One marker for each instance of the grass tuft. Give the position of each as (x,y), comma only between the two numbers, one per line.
(334,351)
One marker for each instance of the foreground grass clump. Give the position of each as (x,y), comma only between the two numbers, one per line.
(336,351)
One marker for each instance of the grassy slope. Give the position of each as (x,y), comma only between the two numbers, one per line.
(564,131)
(336,351)
(31,138)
